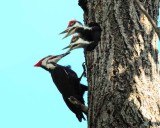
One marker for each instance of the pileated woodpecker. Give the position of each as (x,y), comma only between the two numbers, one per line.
(92,32)
(79,42)
(66,80)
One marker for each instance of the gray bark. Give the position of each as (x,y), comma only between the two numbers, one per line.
(124,84)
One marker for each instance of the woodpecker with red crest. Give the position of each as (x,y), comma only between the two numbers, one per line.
(66,80)
(72,27)
(92,32)
(78,42)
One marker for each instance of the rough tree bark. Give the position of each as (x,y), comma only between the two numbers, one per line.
(123,79)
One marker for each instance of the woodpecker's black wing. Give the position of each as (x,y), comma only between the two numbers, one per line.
(67,82)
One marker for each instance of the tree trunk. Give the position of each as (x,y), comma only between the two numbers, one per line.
(123,79)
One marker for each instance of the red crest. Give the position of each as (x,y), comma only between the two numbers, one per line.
(71,22)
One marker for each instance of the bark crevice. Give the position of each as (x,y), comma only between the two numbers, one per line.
(122,71)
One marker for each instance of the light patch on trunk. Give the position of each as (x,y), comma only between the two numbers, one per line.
(154,41)
(145,23)
(121,69)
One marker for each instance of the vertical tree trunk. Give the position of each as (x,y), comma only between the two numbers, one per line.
(124,85)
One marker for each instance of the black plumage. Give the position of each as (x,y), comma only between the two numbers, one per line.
(66,80)
(68,84)
(87,37)
(90,33)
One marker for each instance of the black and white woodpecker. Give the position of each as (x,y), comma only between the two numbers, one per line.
(78,42)
(92,32)
(66,80)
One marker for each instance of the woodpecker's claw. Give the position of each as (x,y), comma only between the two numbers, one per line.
(84,68)
(84,71)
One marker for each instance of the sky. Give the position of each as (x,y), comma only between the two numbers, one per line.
(29,31)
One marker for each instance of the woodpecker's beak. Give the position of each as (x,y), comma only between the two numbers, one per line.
(65,31)
(68,31)
(58,57)
(66,35)
(69,46)
(52,58)
(63,55)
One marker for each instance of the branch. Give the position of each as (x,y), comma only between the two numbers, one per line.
(79,105)
(149,17)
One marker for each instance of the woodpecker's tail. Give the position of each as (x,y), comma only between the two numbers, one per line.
(80,116)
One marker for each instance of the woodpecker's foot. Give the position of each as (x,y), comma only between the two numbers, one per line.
(78,104)
(84,71)
(84,68)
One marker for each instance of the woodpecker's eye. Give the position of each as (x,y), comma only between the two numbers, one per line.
(72,24)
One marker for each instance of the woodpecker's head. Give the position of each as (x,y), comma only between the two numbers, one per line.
(49,62)
(77,42)
(71,29)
